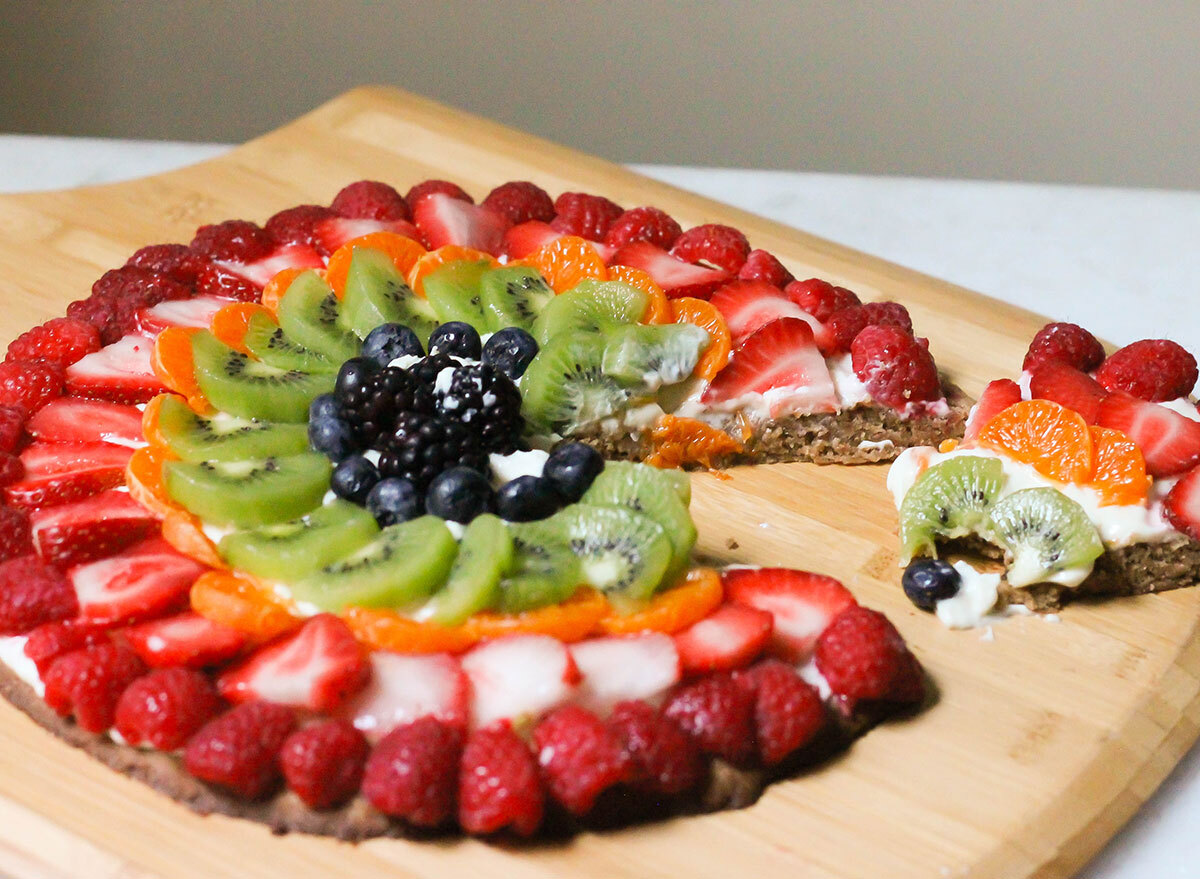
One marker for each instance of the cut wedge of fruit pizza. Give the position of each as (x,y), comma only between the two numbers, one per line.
(1082,478)
(310,522)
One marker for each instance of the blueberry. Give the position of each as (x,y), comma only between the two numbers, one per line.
(388,341)
(353,374)
(456,337)
(333,437)
(510,351)
(928,581)
(393,500)
(353,479)
(571,468)
(526,499)
(459,494)
(324,406)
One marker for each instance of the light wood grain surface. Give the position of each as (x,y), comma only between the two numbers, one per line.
(1046,735)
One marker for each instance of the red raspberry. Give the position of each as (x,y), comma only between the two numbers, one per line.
(643,224)
(588,216)
(29,384)
(370,200)
(1152,369)
(240,749)
(580,757)
(888,314)
(51,640)
(15,539)
(667,760)
(844,325)
(236,240)
(862,656)
(498,783)
(820,298)
(32,593)
(117,296)
(11,469)
(427,187)
(62,340)
(1068,343)
(215,281)
(413,772)
(323,763)
(721,246)
(788,712)
(298,225)
(763,266)
(177,261)
(164,708)
(520,201)
(88,683)
(895,367)
(12,427)
(718,714)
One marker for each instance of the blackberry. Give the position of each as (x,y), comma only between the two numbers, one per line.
(422,446)
(487,402)
(370,408)
(425,372)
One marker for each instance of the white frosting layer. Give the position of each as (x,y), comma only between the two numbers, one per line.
(12,654)
(976,597)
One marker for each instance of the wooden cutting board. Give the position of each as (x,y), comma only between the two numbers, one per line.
(1046,736)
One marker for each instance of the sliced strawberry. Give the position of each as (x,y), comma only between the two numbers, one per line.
(195,312)
(288,256)
(141,582)
(186,639)
(803,604)
(444,219)
(750,305)
(1182,505)
(336,231)
(404,688)
(119,372)
(518,678)
(996,397)
(728,638)
(524,238)
(59,472)
(1064,384)
(80,420)
(676,277)
(1170,442)
(620,668)
(318,667)
(781,355)
(94,527)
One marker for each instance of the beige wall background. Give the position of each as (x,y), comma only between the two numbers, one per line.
(1085,92)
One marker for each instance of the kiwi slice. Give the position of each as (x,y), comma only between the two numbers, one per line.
(653,355)
(590,306)
(377,294)
(399,568)
(484,556)
(948,500)
(649,491)
(248,388)
(513,297)
(295,549)
(249,493)
(223,437)
(267,341)
(1044,532)
(308,314)
(622,553)
(454,292)
(565,385)
(544,570)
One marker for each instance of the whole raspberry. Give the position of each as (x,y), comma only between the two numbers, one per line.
(722,246)
(718,713)
(235,240)
(11,469)
(667,761)
(580,757)
(89,682)
(844,325)
(788,711)
(520,201)
(216,281)
(1065,342)
(428,187)
(51,640)
(119,293)
(14,533)
(588,216)
(763,266)
(498,783)
(177,261)
(62,340)
(164,708)
(820,298)
(29,385)
(370,200)
(413,772)
(895,367)
(298,225)
(643,224)
(323,763)
(32,593)
(888,314)
(12,427)
(1152,369)
(239,750)
(862,656)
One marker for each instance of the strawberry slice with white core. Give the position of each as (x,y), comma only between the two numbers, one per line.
(119,372)
(675,277)
(996,397)
(91,528)
(1182,505)
(289,256)
(1170,442)
(619,668)
(444,220)
(333,232)
(749,305)
(196,312)
(141,582)
(802,604)
(186,639)
(80,420)
(524,238)
(518,678)
(729,637)
(783,358)
(1067,386)
(404,688)
(56,473)
(318,667)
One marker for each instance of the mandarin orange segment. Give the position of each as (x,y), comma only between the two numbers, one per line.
(677,441)
(150,421)
(572,620)
(1052,439)
(658,309)
(382,629)
(172,363)
(277,286)
(230,323)
(143,477)
(184,532)
(403,251)
(244,603)
(1120,474)
(672,610)
(566,261)
(435,259)
(687,310)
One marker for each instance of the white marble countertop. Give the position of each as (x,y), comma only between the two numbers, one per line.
(1125,263)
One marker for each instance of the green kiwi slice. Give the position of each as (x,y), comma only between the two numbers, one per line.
(485,554)
(565,385)
(544,570)
(950,499)
(653,355)
(622,553)
(239,385)
(376,294)
(267,341)
(295,549)
(224,437)
(308,313)
(591,307)
(1044,533)
(513,297)
(249,493)
(399,568)
(454,292)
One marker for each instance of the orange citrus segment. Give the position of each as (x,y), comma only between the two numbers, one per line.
(677,441)
(230,323)
(572,620)
(172,362)
(658,309)
(403,251)
(1120,474)
(382,629)
(435,259)
(1051,438)
(184,532)
(672,610)
(150,421)
(687,310)
(143,477)
(277,286)
(566,261)
(244,603)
